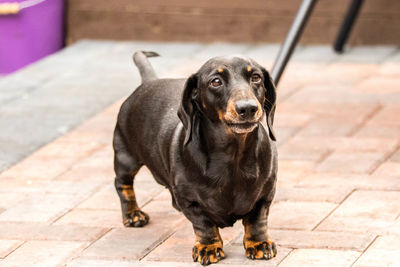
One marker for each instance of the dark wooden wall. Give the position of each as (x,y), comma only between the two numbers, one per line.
(226,20)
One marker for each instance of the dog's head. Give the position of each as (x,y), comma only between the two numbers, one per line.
(234,92)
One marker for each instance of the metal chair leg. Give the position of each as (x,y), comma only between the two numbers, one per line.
(292,38)
(347,25)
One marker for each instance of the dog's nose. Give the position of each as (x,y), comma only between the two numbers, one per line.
(246,108)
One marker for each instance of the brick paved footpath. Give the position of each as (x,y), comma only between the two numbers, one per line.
(338,194)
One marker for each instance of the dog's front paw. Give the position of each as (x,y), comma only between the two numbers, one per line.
(207,254)
(260,250)
(136,219)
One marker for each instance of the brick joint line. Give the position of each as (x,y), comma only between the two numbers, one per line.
(287,255)
(367,118)
(17,247)
(384,159)
(160,241)
(90,243)
(362,253)
(334,209)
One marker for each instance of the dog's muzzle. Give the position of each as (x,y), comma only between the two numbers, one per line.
(241,128)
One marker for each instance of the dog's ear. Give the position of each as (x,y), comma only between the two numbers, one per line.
(187,107)
(270,102)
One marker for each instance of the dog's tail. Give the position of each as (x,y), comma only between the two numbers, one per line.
(146,70)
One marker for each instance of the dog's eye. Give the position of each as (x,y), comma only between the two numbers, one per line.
(255,78)
(216,82)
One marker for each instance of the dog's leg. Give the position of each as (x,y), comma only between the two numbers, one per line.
(256,241)
(208,246)
(126,166)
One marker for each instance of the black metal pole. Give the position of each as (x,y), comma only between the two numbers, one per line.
(347,25)
(292,38)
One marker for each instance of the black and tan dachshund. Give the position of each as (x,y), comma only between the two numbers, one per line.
(209,140)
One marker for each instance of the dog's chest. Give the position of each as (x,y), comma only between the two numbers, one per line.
(238,194)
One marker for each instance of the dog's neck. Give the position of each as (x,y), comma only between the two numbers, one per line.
(218,138)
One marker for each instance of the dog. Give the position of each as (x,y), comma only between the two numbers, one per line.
(209,139)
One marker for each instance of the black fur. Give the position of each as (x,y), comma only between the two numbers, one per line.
(174,127)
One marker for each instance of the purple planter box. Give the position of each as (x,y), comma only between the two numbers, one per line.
(31,34)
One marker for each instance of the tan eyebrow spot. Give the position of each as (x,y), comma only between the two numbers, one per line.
(220,70)
(249,68)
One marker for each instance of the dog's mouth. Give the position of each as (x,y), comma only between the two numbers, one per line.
(244,127)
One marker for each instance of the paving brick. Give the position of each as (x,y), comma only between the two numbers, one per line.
(16,185)
(8,199)
(389,168)
(378,85)
(69,232)
(235,256)
(60,149)
(103,123)
(303,149)
(43,253)
(92,218)
(78,262)
(339,73)
(322,240)
(332,194)
(103,157)
(385,251)
(18,230)
(20,188)
(287,87)
(79,172)
(349,111)
(133,243)
(337,93)
(356,162)
(105,198)
(290,119)
(299,215)
(349,144)
(284,133)
(392,229)
(8,246)
(43,231)
(378,131)
(326,127)
(288,167)
(292,170)
(396,156)
(364,211)
(385,117)
(300,73)
(38,168)
(40,208)
(348,180)
(320,257)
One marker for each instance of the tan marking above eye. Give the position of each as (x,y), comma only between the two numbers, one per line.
(249,68)
(220,70)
